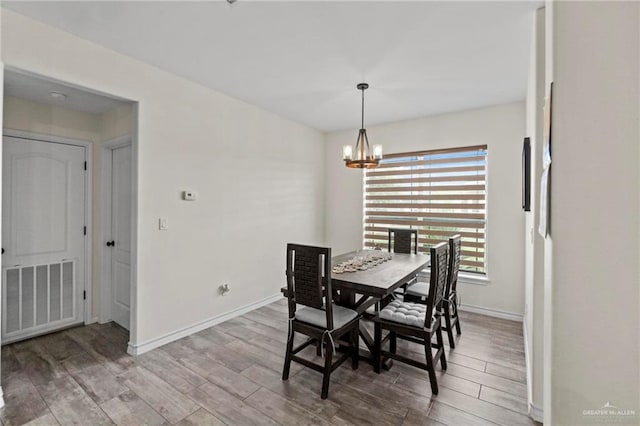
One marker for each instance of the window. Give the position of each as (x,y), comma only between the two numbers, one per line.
(440,193)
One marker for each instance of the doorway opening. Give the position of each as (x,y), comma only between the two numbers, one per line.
(63,226)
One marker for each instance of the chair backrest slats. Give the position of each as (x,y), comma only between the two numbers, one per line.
(455,249)
(439,258)
(309,278)
(403,240)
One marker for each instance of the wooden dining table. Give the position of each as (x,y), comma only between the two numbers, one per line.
(364,288)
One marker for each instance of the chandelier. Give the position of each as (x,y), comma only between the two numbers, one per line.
(362,157)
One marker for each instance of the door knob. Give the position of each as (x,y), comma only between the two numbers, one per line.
(111,243)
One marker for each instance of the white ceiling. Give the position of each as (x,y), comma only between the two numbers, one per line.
(303,59)
(36,89)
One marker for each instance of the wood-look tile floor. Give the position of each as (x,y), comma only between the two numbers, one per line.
(230,374)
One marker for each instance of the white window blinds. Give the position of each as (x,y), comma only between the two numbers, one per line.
(440,193)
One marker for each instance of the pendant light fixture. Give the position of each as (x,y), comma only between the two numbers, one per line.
(362,157)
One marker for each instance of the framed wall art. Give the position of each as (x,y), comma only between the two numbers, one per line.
(526,175)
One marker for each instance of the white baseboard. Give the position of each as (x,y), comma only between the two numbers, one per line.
(91,321)
(141,348)
(536,413)
(1,398)
(492,312)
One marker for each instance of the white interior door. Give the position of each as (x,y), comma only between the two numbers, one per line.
(43,237)
(120,244)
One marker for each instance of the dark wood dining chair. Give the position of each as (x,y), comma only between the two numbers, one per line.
(309,285)
(416,322)
(450,300)
(419,292)
(403,241)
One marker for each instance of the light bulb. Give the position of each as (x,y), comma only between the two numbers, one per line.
(377,152)
(347,152)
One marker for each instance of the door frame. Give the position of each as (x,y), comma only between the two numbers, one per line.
(105,229)
(100,88)
(88,203)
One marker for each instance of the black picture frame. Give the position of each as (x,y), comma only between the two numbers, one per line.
(526,175)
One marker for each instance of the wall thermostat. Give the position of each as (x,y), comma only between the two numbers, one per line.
(189,195)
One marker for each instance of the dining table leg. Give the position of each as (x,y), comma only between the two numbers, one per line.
(350,300)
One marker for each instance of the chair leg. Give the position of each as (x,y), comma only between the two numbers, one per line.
(319,347)
(377,348)
(440,340)
(447,320)
(287,357)
(328,354)
(430,367)
(355,354)
(393,341)
(455,305)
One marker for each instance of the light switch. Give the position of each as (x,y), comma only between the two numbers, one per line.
(163,223)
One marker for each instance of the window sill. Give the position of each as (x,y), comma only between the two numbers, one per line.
(474,279)
(462,278)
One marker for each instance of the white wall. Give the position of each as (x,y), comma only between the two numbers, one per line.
(260,179)
(28,116)
(502,129)
(595,210)
(530,105)
(116,122)
(548,241)
(534,243)
(1,121)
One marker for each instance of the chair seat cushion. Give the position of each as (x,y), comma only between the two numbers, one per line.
(419,289)
(318,317)
(405,313)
